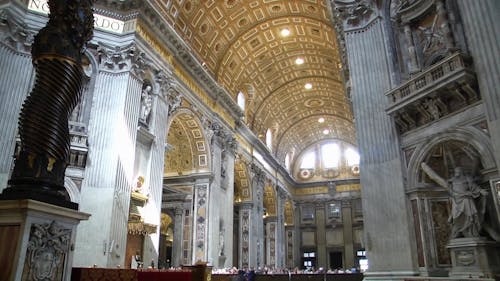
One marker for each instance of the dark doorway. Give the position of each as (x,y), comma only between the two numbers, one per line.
(336,260)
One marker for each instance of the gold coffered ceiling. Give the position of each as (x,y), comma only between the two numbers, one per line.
(240,44)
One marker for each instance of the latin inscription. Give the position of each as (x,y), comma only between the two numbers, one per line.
(100,22)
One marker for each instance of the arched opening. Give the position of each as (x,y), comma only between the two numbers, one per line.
(187,157)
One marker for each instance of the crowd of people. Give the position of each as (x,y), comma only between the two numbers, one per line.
(279,271)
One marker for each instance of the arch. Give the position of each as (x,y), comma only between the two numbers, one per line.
(471,136)
(242,185)
(269,199)
(72,189)
(188,149)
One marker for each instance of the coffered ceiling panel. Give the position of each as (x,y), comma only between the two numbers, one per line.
(240,42)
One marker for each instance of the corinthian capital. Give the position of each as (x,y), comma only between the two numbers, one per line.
(354,12)
(122,58)
(15,35)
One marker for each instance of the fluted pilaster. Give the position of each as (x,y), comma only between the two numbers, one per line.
(280,228)
(15,82)
(480,21)
(388,237)
(109,172)
(158,127)
(177,245)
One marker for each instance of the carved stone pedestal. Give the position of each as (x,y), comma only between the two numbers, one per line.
(474,258)
(36,240)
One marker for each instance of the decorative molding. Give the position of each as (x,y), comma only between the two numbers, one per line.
(46,252)
(15,35)
(245,237)
(354,12)
(258,174)
(122,58)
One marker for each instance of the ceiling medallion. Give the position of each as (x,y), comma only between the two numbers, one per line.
(314,102)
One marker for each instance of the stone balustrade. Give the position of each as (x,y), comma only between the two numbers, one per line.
(443,88)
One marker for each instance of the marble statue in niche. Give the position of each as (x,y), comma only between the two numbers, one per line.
(468,202)
(146,104)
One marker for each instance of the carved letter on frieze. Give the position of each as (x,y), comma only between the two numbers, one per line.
(47,248)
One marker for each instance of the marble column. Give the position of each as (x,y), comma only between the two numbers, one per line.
(163,93)
(245,241)
(482,32)
(177,242)
(38,221)
(271,231)
(290,246)
(109,174)
(257,253)
(390,243)
(200,221)
(280,228)
(348,234)
(221,200)
(321,254)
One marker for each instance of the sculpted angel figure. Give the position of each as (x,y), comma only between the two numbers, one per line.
(467,202)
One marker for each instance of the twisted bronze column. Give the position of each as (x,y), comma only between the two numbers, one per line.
(43,123)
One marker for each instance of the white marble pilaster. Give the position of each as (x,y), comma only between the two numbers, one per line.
(280,229)
(389,239)
(320,236)
(16,79)
(480,21)
(200,221)
(177,242)
(155,167)
(109,172)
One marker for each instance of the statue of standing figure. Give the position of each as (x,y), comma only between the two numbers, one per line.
(146,104)
(468,202)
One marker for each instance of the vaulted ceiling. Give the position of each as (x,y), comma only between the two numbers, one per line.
(240,43)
